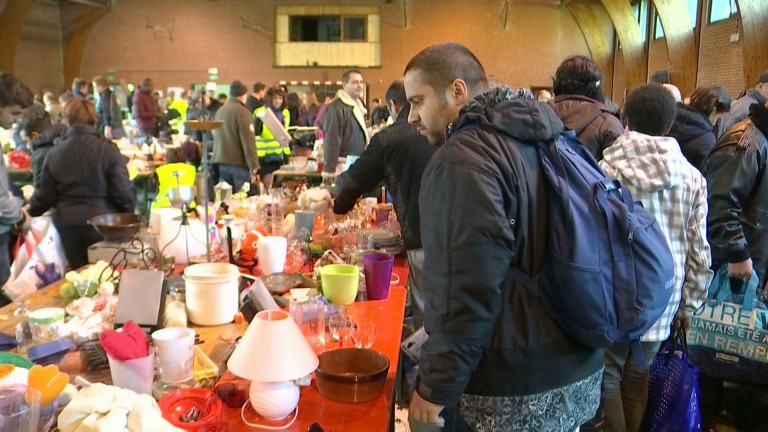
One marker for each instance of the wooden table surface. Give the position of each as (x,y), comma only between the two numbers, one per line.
(372,416)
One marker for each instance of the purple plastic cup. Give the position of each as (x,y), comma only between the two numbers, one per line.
(377,268)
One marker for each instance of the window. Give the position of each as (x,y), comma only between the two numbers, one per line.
(640,9)
(720,10)
(693,10)
(327,28)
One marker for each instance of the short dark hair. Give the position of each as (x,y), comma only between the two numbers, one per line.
(259,86)
(441,64)
(396,92)
(34,119)
(14,92)
(578,75)
(661,77)
(347,73)
(650,109)
(709,99)
(271,93)
(77,83)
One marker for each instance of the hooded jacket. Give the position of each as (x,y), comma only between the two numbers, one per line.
(397,155)
(595,124)
(693,131)
(483,210)
(675,193)
(738,193)
(40,148)
(84,175)
(739,111)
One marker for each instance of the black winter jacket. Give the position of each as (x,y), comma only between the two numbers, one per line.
(693,131)
(84,175)
(483,210)
(737,182)
(397,155)
(40,148)
(596,126)
(344,135)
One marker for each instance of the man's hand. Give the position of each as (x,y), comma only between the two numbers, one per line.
(425,411)
(741,270)
(108,132)
(684,322)
(26,223)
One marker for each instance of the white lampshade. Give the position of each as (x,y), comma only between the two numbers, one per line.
(273,349)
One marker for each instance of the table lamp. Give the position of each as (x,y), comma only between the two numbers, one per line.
(273,354)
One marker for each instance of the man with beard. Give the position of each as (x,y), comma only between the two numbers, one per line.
(492,352)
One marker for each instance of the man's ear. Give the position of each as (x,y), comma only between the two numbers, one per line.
(458,93)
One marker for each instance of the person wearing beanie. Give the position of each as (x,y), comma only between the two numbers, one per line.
(234,152)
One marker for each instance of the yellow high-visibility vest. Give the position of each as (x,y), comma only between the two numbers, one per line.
(265,142)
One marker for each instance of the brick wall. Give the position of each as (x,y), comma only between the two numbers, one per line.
(721,61)
(210,34)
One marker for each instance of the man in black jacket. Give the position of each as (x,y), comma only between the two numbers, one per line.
(492,349)
(344,125)
(738,197)
(398,156)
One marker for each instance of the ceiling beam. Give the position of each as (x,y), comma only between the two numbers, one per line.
(631,39)
(681,43)
(597,28)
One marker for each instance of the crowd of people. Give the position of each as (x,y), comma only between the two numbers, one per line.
(460,160)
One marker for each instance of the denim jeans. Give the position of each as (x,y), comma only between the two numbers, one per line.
(625,387)
(235,175)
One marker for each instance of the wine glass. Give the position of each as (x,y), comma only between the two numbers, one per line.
(341,326)
(83,286)
(363,335)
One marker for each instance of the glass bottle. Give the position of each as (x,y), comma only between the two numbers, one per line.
(277,210)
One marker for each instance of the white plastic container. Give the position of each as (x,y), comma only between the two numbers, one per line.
(211,293)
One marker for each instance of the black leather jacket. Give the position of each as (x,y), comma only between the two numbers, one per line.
(397,155)
(737,225)
(483,210)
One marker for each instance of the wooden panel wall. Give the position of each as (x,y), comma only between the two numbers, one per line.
(11,22)
(754,18)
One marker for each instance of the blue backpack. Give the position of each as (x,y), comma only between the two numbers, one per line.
(608,273)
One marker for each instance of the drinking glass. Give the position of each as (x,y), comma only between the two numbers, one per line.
(363,335)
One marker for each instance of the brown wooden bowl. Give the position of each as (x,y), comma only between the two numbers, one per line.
(351,375)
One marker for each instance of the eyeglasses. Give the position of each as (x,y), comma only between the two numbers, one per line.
(232,394)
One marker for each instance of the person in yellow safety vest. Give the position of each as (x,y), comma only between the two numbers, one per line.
(271,153)
(179,104)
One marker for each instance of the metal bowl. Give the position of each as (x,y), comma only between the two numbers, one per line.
(351,374)
(181,195)
(117,227)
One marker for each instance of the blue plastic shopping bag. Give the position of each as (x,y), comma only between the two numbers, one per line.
(673,390)
(728,338)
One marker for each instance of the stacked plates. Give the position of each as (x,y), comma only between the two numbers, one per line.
(380,238)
